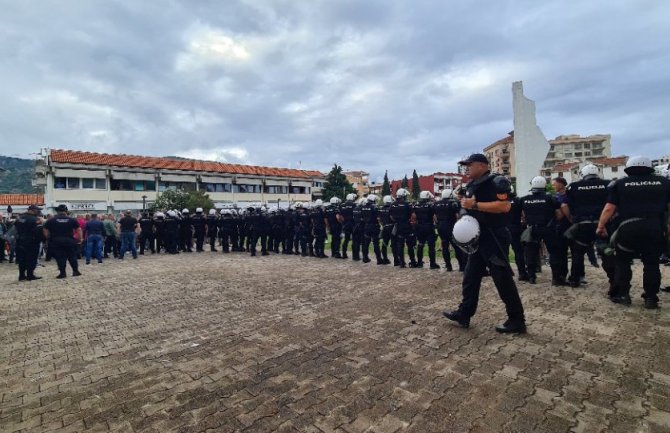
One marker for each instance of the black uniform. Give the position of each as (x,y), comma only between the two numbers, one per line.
(446,213)
(212,224)
(61,241)
(159,225)
(371,232)
(289,233)
(186,233)
(493,252)
(318,217)
(147,233)
(642,204)
(387,233)
(539,210)
(28,241)
(357,231)
(347,212)
(259,227)
(586,199)
(278,234)
(401,213)
(171,234)
(516,227)
(332,212)
(199,223)
(305,233)
(425,232)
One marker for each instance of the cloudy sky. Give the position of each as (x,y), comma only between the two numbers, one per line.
(371,85)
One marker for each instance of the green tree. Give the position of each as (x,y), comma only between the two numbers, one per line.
(405,182)
(180,199)
(337,184)
(386,187)
(416,189)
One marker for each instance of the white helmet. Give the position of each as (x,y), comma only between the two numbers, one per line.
(589,170)
(159,215)
(538,182)
(466,234)
(172,213)
(425,195)
(198,210)
(388,199)
(184,211)
(638,161)
(447,193)
(212,211)
(298,205)
(263,208)
(335,200)
(318,203)
(371,198)
(351,197)
(402,192)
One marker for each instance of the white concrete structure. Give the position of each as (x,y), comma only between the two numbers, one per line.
(531,146)
(87,181)
(608,168)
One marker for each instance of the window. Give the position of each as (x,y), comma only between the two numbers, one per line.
(60,182)
(560,174)
(121,185)
(184,186)
(615,169)
(587,145)
(101,184)
(298,190)
(87,183)
(217,187)
(276,189)
(578,153)
(72,183)
(578,146)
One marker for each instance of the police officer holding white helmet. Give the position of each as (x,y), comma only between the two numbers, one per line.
(487,202)
(642,202)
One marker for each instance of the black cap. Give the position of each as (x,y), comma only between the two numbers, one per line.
(34,207)
(475,157)
(61,208)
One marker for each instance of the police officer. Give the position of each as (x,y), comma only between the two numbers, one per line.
(516,228)
(59,230)
(559,227)
(424,213)
(171,232)
(357,230)
(227,230)
(212,227)
(401,213)
(186,232)
(28,238)
(585,201)
(147,232)
(371,229)
(198,221)
(347,212)
(159,226)
(487,205)
(278,230)
(333,219)
(289,224)
(446,215)
(303,227)
(642,201)
(387,229)
(538,212)
(318,217)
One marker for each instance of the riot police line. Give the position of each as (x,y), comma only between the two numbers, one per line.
(625,219)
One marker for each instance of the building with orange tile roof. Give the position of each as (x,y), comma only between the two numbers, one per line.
(19,202)
(88,181)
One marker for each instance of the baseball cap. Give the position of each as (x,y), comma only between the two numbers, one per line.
(475,157)
(34,207)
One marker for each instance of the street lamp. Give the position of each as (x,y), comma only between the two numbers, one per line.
(144,203)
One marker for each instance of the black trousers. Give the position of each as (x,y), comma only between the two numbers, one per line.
(336,240)
(582,244)
(405,235)
(519,254)
(320,241)
(147,237)
(64,250)
(26,257)
(185,241)
(388,239)
(532,252)
(212,239)
(253,240)
(347,229)
(371,235)
(289,239)
(357,233)
(199,240)
(646,239)
(111,246)
(2,249)
(425,234)
(492,254)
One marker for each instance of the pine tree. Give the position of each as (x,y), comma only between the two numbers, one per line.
(416,189)
(337,184)
(405,182)
(386,187)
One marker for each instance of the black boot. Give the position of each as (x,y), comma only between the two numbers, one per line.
(61,275)
(76,273)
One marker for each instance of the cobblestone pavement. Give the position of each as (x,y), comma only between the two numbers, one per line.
(232,343)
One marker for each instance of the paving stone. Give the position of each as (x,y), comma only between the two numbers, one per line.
(207,342)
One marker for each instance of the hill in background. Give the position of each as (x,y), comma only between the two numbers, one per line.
(18,177)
